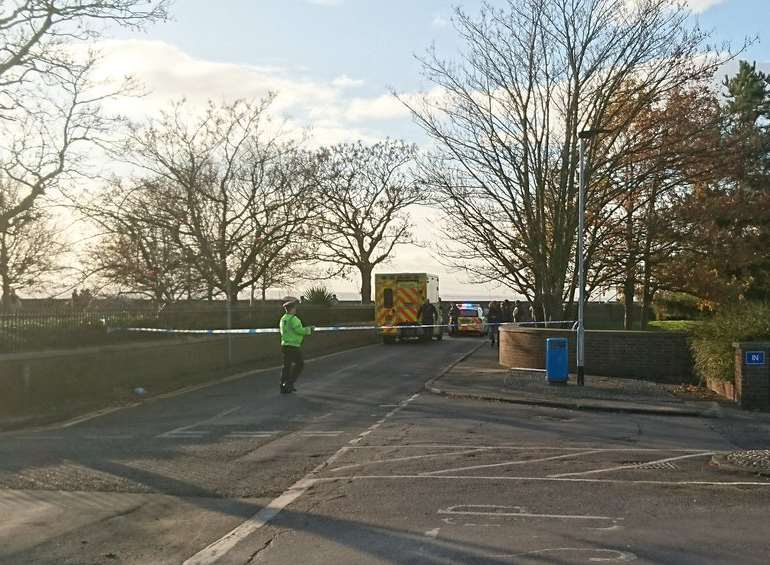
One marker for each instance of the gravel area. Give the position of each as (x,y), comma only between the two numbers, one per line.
(752,459)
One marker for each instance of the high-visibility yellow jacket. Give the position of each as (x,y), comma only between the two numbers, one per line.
(292,330)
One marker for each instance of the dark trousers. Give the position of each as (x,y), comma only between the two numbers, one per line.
(292,365)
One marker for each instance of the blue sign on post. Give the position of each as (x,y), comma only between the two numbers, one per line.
(755,358)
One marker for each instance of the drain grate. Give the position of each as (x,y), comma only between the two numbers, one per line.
(642,465)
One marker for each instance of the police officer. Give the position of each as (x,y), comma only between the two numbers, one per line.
(454,322)
(428,316)
(494,317)
(292,335)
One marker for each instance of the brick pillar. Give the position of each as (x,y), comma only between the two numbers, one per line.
(752,374)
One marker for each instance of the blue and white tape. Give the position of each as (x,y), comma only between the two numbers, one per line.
(255,331)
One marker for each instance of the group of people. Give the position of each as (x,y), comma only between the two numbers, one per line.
(505,313)
(293,331)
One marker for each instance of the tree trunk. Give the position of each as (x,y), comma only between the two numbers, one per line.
(264,293)
(647,291)
(629,279)
(5,300)
(366,283)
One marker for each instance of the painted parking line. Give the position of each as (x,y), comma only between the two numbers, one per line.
(188,430)
(214,551)
(515,512)
(508,447)
(253,434)
(183,435)
(409,458)
(512,463)
(540,479)
(634,466)
(588,555)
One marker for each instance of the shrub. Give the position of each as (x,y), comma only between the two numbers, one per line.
(318,295)
(678,306)
(712,345)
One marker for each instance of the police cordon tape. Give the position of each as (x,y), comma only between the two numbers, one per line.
(255,331)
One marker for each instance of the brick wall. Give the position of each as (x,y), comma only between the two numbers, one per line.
(752,382)
(655,356)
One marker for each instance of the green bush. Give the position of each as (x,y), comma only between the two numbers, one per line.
(678,306)
(712,345)
(318,295)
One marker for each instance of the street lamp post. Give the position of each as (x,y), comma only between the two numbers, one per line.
(584,136)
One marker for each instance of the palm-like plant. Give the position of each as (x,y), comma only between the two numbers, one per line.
(318,295)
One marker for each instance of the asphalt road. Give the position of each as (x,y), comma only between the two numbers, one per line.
(359,467)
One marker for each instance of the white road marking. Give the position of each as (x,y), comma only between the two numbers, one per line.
(320,434)
(542,479)
(533,448)
(609,555)
(183,435)
(607,529)
(91,416)
(433,533)
(115,436)
(223,545)
(399,459)
(255,434)
(42,438)
(511,463)
(492,510)
(635,466)
(187,430)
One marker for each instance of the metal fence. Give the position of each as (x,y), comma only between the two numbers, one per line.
(64,330)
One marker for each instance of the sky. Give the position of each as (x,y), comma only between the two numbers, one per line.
(333,64)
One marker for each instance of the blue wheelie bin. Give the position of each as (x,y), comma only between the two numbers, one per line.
(556,360)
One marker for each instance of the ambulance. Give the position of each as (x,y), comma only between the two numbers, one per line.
(398,299)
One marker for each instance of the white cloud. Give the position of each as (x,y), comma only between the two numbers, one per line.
(439,21)
(325,2)
(700,6)
(325,107)
(385,107)
(344,81)
(697,6)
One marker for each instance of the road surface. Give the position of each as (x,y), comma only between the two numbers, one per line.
(361,467)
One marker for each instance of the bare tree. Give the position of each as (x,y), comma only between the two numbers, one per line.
(287,267)
(233,195)
(506,118)
(365,191)
(30,247)
(134,254)
(49,106)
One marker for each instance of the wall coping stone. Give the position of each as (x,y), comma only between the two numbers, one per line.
(96,349)
(625,332)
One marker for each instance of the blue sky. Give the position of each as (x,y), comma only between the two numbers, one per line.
(372,40)
(333,63)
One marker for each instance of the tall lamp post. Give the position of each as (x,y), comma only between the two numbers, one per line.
(584,136)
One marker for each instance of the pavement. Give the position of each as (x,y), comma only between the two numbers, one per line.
(481,377)
(363,466)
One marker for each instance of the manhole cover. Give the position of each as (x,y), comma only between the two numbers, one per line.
(644,466)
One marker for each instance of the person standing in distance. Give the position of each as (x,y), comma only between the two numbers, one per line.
(428,316)
(292,335)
